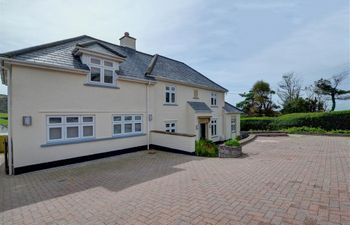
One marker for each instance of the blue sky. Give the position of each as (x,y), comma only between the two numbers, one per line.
(235,43)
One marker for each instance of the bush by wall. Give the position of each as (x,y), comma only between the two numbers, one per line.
(256,123)
(206,148)
(232,142)
(313,130)
(339,120)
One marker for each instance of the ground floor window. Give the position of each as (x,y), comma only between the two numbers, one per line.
(70,127)
(170,126)
(233,124)
(213,127)
(127,124)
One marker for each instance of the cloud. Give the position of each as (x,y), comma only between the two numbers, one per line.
(316,50)
(233,42)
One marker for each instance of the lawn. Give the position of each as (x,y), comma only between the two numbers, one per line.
(3,119)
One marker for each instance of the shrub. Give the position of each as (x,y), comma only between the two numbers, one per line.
(256,123)
(232,142)
(339,120)
(206,148)
(313,130)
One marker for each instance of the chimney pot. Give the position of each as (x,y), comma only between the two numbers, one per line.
(128,41)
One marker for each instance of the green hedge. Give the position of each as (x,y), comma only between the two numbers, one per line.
(256,123)
(314,130)
(339,120)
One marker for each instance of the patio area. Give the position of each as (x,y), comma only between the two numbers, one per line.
(282,180)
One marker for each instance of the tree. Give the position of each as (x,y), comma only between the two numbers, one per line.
(302,105)
(317,102)
(289,88)
(258,101)
(329,87)
(247,105)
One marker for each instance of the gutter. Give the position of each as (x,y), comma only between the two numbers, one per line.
(187,84)
(43,66)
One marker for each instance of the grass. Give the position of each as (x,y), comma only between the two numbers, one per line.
(3,119)
(313,130)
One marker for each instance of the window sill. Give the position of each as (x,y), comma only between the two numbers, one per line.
(101,85)
(214,106)
(89,140)
(170,104)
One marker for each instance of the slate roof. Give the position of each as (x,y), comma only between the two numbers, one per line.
(136,65)
(231,109)
(200,107)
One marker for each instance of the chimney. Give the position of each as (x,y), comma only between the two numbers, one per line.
(128,41)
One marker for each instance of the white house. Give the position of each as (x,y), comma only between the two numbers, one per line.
(84,98)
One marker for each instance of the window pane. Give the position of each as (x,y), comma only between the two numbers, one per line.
(88,131)
(72,119)
(128,118)
(117,128)
(173,130)
(95,61)
(54,120)
(173,97)
(173,88)
(167,97)
(95,74)
(88,119)
(72,132)
(55,133)
(137,117)
(167,88)
(195,93)
(108,76)
(128,128)
(107,63)
(117,118)
(137,127)
(167,125)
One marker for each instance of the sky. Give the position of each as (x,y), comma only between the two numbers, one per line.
(233,42)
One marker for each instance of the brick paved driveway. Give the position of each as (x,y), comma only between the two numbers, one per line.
(283,180)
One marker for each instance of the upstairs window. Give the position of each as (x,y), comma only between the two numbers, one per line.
(170,92)
(195,94)
(170,126)
(102,72)
(213,99)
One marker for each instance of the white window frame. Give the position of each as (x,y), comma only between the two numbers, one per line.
(122,123)
(172,90)
(172,126)
(64,125)
(102,67)
(214,127)
(213,99)
(233,124)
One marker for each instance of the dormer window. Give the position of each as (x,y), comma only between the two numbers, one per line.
(102,72)
(213,99)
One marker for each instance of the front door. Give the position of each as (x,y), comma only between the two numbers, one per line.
(202,131)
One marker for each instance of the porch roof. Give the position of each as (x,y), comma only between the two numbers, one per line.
(200,107)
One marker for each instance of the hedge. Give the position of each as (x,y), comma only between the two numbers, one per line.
(339,120)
